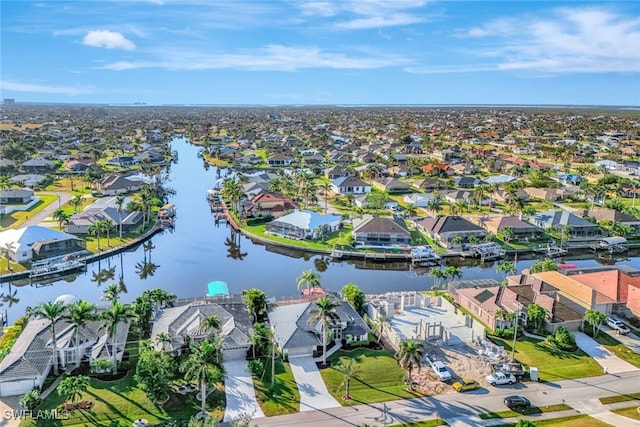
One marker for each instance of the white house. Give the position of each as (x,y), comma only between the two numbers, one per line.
(419,200)
(350,185)
(303,224)
(37,242)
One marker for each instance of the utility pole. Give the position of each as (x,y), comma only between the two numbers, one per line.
(515,335)
(273,359)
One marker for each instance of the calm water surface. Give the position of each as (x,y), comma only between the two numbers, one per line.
(198,251)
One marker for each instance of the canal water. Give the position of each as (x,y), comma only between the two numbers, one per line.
(198,251)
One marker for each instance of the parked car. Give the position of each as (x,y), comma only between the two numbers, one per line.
(617,325)
(517,402)
(500,378)
(441,371)
(465,385)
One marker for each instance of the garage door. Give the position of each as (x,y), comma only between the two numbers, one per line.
(238,353)
(299,351)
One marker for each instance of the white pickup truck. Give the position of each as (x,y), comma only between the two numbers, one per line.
(500,378)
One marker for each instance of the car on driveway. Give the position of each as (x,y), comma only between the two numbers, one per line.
(617,326)
(500,378)
(465,385)
(441,371)
(517,402)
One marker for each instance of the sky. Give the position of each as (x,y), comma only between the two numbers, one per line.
(326,52)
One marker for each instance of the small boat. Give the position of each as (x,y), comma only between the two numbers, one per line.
(566,266)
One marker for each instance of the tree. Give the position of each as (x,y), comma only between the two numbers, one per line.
(95,229)
(31,400)
(437,274)
(6,250)
(61,217)
(348,369)
(452,272)
(71,388)
(110,293)
(77,202)
(260,336)
(595,319)
(409,355)
(153,373)
(508,233)
(353,295)
(79,313)
(325,314)
(310,279)
(116,314)
(536,314)
(543,265)
(379,325)
(209,325)
(51,311)
(506,267)
(119,202)
(200,366)
(523,422)
(457,241)
(256,302)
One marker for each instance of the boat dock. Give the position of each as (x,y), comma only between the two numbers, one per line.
(57,265)
(551,250)
(613,245)
(488,251)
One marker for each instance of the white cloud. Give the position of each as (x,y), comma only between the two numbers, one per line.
(108,39)
(316,8)
(271,57)
(379,21)
(569,40)
(29,87)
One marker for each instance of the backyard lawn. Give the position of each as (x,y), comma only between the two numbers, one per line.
(284,397)
(552,364)
(379,378)
(119,403)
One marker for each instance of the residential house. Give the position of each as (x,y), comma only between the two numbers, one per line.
(113,185)
(77,166)
(377,231)
(122,161)
(30,180)
(579,228)
(614,216)
(280,160)
(430,184)
(296,336)
(453,197)
(419,200)
(400,170)
(519,229)
(391,185)
(547,194)
(303,225)
(105,209)
(16,196)
(445,229)
(38,165)
(437,169)
(336,172)
(31,357)
(268,204)
(184,325)
(349,185)
(35,242)
(468,182)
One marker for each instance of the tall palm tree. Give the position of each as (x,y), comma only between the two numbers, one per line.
(6,250)
(209,325)
(106,225)
(326,187)
(79,313)
(72,387)
(325,314)
(200,366)
(409,355)
(310,279)
(116,314)
(77,202)
(110,293)
(379,325)
(51,311)
(61,217)
(163,338)
(119,203)
(95,229)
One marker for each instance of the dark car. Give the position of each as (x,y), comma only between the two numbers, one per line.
(517,402)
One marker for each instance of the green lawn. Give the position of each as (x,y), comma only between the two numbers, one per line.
(530,411)
(632,412)
(572,421)
(379,378)
(284,397)
(552,364)
(620,398)
(335,239)
(119,403)
(428,423)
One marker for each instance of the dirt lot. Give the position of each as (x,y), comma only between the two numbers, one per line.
(462,363)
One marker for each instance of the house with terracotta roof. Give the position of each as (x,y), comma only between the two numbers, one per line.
(441,169)
(445,229)
(268,204)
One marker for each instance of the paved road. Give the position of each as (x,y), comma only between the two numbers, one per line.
(48,210)
(241,396)
(464,409)
(313,392)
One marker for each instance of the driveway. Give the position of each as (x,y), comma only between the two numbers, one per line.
(313,392)
(610,363)
(241,396)
(631,340)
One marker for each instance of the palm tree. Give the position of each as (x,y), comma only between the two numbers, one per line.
(200,366)
(309,278)
(79,313)
(326,187)
(506,267)
(209,325)
(72,387)
(232,192)
(437,274)
(106,226)
(348,369)
(77,202)
(536,314)
(116,314)
(119,203)
(6,250)
(259,338)
(61,217)
(163,339)
(52,311)
(379,325)
(595,319)
(409,355)
(95,229)
(110,293)
(325,314)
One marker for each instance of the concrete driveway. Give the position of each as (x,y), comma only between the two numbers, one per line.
(631,340)
(610,363)
(313,392)
(241,396)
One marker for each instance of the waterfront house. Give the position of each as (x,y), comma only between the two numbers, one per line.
(122,161)
(295,336)
(377,231)
(31,357)
(445,229)
(103,209)
(268,204)
(349,185)
(303,225)
(578,228)
(520,229)
(35,242)
(614,216)
(184,325)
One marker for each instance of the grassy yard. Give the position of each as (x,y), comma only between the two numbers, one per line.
(119,403)
(619,398)
(335,239)
(16,218)
(428,423)
(379,378)
(572,421)
(283,397)
(632,412)
(552,364)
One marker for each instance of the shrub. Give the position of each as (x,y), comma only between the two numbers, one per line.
(256,366)
(100,366)
(563,339)
(30,400)
(11,336)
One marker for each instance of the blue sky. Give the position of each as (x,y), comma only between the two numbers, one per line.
(321,52)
